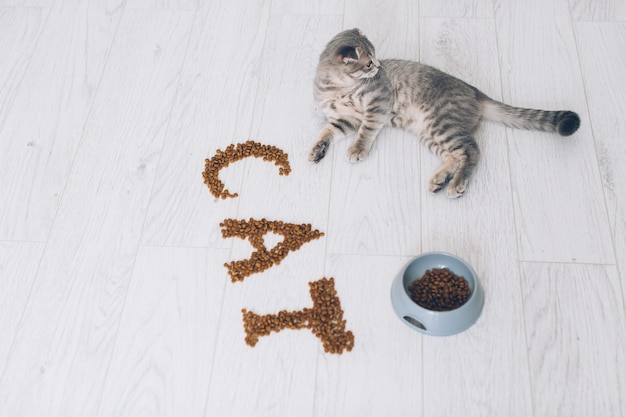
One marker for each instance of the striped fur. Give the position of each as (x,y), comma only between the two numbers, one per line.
(359,94)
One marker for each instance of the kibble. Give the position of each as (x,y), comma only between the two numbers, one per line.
(234,153)
(294,236)
(440,290)
(325,320)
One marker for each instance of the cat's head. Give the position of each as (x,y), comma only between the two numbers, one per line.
(351,53)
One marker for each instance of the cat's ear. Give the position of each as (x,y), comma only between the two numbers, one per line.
(350,54)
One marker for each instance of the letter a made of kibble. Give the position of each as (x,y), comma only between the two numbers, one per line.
(294,236)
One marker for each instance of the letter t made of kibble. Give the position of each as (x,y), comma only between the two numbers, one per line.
(325,319)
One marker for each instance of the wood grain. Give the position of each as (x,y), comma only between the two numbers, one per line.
(602,64)
(308,7)
(71,320)
(277,376)
(480,365)
(392,26)
(556,181)
(384,373)
(161,5)
(213,109)
(167,335)
(46,123)
(598,10)
(27,3)
(18,266)
(456,8)
(20,30)
(575,325)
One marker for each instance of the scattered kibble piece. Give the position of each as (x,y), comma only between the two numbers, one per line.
(440,290)
(234,153)
(294,236)
(325,320)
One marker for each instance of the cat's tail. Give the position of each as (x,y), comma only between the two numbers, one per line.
(563,122)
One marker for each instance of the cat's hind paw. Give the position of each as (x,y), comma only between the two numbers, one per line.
(457,188)
(442,176)
(438,181)
(318,152)
(455,192)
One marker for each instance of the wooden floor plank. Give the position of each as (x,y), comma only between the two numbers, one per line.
(392,26)
(62,350)
(598,10)
(27,3)
(482,371)
(41,134)
(277,375)
(18,265)
(20,29)
(161,4)
(575,327)
(556,182)
(213,109)
(452,8)
(306,7)
(162,360)
(384,373)
(602,49)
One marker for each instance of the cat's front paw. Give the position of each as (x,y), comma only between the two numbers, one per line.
(357,153)
(318,152)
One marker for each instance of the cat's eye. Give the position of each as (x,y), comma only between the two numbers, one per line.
(369,65)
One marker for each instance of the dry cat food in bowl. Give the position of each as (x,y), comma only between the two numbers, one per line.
(438,294)
(439,289)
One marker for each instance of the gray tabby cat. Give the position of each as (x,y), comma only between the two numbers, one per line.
(358,93)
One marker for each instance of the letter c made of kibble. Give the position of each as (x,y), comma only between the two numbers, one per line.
(234,153)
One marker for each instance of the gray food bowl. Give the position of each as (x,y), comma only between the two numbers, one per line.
(436,323)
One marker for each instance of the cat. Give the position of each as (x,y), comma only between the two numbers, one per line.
(360,94)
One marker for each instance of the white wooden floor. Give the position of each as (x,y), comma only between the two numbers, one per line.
(114,300)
